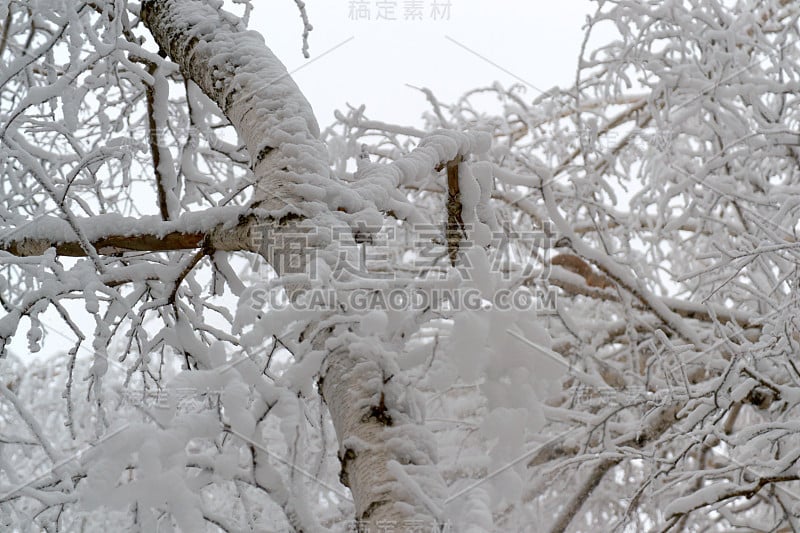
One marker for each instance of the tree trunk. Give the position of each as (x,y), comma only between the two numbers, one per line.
(388,457)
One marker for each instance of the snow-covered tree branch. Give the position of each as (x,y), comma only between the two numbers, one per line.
(569,312)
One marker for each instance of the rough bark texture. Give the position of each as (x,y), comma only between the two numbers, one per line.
(381,442)
(224,229)
(387,455)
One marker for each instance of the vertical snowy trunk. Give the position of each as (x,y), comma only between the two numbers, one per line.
(387,455)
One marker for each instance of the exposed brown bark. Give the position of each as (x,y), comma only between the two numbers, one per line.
(155,143)
(455,221)
(111,245)
(111,235)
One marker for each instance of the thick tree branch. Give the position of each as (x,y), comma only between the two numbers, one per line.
(251,86)
(225,229)
(111,244)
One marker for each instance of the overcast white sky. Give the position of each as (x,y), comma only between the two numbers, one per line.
(369,61)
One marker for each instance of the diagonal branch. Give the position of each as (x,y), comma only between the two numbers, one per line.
(250,85)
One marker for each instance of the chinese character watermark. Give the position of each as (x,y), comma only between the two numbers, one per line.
(395,10)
